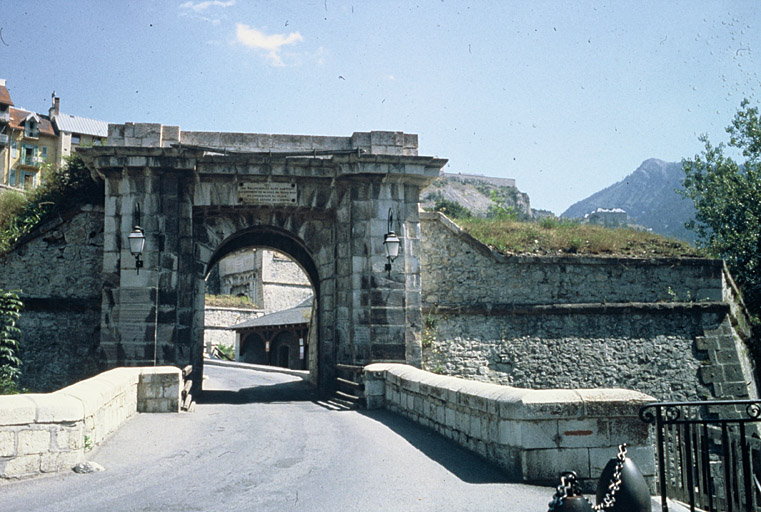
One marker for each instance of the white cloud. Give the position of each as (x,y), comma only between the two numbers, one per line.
(272,44)
(202,6)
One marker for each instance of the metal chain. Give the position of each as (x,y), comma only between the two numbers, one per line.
(615,481)
(569,486)
(568,483)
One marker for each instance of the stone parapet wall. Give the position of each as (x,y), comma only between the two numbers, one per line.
(45,433)
(674,329)
(532,435)
(457,269)
(157,135)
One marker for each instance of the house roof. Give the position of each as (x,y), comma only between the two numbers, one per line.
(296,315)
(18,117)
(5,96)
(82,125)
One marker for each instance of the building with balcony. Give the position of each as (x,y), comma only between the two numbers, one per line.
(29,141)
(31,144)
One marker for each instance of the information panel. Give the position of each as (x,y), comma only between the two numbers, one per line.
(275,193)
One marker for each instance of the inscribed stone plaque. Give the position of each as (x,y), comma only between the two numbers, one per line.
(267,193)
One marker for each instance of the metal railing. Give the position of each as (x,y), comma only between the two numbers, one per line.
(709,453)
(32,161)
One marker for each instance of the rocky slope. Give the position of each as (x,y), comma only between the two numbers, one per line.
(474,192)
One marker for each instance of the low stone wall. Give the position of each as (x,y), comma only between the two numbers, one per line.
(44,433)
(216,323)
(532,434)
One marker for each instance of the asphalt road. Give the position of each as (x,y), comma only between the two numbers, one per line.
(263,441)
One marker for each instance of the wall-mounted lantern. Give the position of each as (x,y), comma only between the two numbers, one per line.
(391,242)
(137,240)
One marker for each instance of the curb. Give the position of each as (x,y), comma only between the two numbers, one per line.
(303,374)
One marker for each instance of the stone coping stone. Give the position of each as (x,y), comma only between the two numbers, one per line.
(515,403)
(75,402)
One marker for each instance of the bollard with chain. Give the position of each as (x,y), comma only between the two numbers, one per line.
(621,488)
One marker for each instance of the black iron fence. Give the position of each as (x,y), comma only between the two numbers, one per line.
(709,453)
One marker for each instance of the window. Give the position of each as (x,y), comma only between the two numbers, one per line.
(31,128)
(44,153)
(29,180)
(30,155)
(12,178)
(75,138)
(14,149)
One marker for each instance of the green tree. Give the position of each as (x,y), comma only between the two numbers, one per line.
(451,209)
(727,198)
(10,363)
(497,209)
(61,188)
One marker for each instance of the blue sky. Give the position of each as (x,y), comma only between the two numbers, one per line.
(565,97)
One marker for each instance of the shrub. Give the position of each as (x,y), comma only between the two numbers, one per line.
(12,203)
(10,363)
(451,209)
(61,188)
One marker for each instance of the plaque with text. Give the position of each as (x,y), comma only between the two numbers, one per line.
(267,193)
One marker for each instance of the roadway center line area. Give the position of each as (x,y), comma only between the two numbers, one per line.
(264,441)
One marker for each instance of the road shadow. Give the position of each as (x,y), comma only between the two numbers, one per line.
(463,464)
(296,391)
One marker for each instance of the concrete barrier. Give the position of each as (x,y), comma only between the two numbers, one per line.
(44,433)
(532,434)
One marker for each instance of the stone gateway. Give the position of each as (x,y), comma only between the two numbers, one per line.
(323,201)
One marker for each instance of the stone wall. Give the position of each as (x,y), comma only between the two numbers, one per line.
(57,269)
(44,433)
(671,328)
(217,321)
(532,435)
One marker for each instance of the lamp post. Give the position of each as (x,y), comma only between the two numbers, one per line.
(391,243)
(136,245)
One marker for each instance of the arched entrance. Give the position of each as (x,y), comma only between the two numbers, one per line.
(324,201)
(277,346)
(253,349)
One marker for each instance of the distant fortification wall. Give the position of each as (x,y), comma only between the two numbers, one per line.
(671,328)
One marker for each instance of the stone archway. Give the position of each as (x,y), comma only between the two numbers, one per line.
(322,200)
(212,227)
(253,350)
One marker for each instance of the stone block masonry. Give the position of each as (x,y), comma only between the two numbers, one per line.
(671,328)
(216,323)
(531,434)
(57,270)
(189,186)
(44,433)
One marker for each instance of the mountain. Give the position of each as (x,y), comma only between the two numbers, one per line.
(649,197)
(474,192)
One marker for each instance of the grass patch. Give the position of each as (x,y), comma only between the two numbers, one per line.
(562,237)
(229,301)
